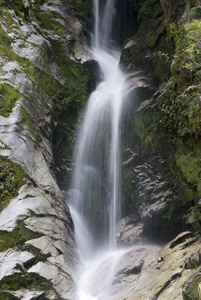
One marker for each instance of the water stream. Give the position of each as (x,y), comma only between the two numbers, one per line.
(96,200)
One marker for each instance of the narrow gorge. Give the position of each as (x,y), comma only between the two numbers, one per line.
(100,199)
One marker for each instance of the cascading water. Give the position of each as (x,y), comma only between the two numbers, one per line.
(95,205)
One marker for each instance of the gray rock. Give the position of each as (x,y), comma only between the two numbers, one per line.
(129,232)
(49,250)
(10,261)
(150,272)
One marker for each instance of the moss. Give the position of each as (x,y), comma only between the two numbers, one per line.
(6,41)
(17,237)
(191,293)
(148,9)
(152,36)
(16,5)
(8,98)
(181,112)
(7,296)
(48,20)
(192,43)
(188,159)
(81,6)
(24,281)
(146,127)
(3,145)
(162,62)
(187,59)
(11,179)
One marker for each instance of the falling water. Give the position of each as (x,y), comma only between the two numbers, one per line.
(95,205)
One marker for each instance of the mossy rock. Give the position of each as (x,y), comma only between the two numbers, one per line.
(148,9)
(7,296)
(8,98)
(187,59)
(190,289)
(17,237)
(17,5)
(152,37)
(147,129)
(81,6)
(24,281)
(11,179)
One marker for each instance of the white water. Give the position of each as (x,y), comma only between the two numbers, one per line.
(95,205)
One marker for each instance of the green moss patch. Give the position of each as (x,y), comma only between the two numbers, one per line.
(8,98)
(188,158)
(16,5)
(152,36)
(187,58)
(11,179)
(7,296)
(146,127)
(48,20)
(27,281)
(17,237)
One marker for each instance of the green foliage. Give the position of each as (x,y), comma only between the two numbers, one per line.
(187,59)
(182,113)
(192,44)
(8,98)
(173,32)
(11,179)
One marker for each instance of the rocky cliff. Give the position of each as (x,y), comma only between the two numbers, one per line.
(161,136)
(40,81)
(44,82)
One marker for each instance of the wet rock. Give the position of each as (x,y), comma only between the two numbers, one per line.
(154,196)
(139,87)
(129,231)
(152,272)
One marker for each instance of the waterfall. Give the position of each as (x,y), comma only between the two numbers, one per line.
(96,187)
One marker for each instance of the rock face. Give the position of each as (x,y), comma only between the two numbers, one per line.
(38,256)
(160,273)
(43,86)
(159,135)
(161,183)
